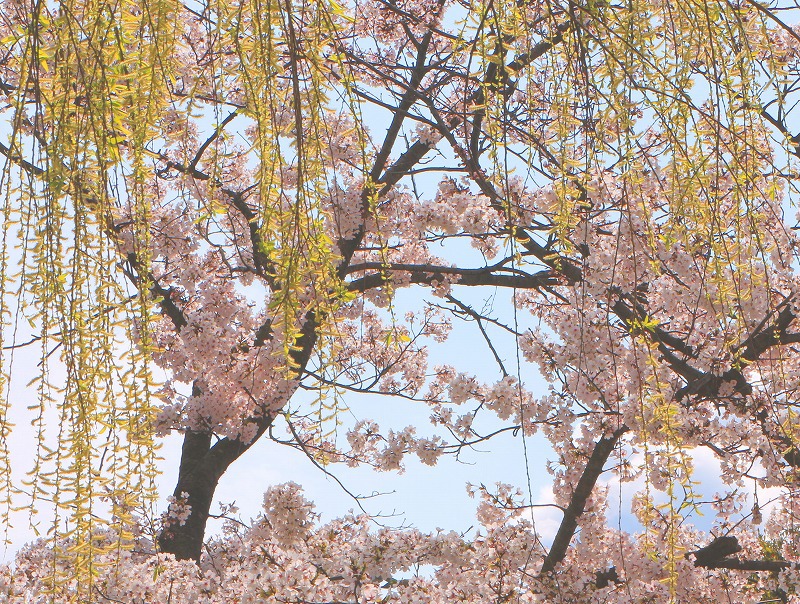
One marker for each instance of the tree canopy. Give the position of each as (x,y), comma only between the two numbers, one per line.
(230,194)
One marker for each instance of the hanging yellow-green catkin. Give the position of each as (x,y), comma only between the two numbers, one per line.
(95,81)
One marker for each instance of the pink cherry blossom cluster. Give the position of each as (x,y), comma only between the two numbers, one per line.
(286,555)
(177,511)
(661,316)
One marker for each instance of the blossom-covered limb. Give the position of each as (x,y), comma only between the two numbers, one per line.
(581,493)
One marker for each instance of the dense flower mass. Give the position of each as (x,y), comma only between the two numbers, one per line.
(286,205)
(286,556)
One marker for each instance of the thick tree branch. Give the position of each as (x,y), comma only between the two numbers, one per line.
(428,274)
(407,101)
(719,554)
(348,246)
(748,565)
(577,504)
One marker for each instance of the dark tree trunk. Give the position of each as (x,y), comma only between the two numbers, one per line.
(202,465)
(186,542)
(200,471)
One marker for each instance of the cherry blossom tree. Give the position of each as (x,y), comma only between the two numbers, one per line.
(234,193)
